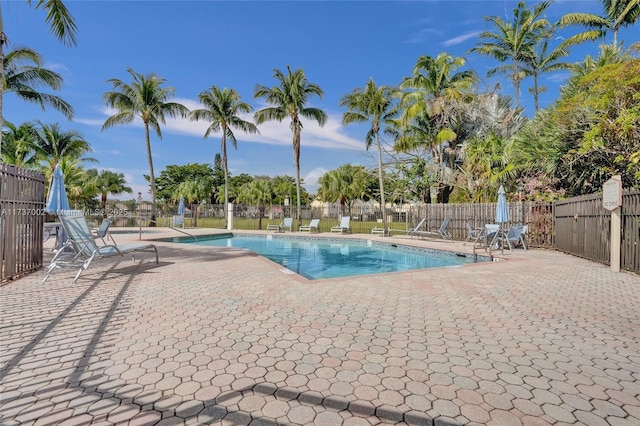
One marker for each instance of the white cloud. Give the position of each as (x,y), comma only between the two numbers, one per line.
(315,174)
(331,136)
(460,39)
(560,77)
(422,36)
(59,68)
(311,179)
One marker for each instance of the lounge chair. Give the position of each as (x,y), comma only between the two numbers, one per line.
(83,248)
(380,231)
(516,236)
(410,231)
(441,232)
(418,227)
(472,233)
(103,231)
(287,223)
(344,225)
(313,226)
(487,235)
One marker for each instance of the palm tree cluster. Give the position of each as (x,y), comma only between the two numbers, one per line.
(437,135)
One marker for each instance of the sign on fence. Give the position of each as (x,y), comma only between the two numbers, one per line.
(612,200)
(612,193)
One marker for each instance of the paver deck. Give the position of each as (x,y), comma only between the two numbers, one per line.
(221,336)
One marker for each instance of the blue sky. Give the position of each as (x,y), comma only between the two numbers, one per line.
(196,44)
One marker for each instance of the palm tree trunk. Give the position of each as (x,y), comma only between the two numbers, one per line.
(296,159)
(152,179)
(383,204)
(535,90)
(194,214)
(226,172)
(3,40)
(516,82)
(103,204)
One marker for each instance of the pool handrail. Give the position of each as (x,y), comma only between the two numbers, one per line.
(140,218)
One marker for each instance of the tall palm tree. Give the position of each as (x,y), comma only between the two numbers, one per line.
(617,14)
(371,104)
(514,41)
(51,144)
(428,102)
(543,61)
(222,109)
(60,22)
(146,99)
(289,99)
(107,182)
(432,99)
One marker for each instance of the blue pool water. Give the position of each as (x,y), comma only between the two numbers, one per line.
(331,258)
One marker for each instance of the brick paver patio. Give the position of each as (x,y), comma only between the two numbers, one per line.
(214,336)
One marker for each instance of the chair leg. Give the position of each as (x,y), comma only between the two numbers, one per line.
(82,268)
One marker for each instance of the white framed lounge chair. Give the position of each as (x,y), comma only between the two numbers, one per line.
(380,231)
(287,223)
(84,248)
(344,226)
(441,232)
(472,233)
(313,226)
(102,232)
(417,228)
(516,236)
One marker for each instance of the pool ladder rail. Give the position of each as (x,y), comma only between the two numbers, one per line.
(164,226)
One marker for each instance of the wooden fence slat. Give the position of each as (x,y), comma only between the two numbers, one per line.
(21,221)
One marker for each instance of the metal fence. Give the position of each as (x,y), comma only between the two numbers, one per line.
(583,228)
(364,217)
(21,221)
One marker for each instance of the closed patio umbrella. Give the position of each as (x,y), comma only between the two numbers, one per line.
(502,209)
(181,205)
(502,217)
(57,198)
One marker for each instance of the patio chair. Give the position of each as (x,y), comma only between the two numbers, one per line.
(103,231)
(418,227)
(441,232)
(516,236)
(287,223)
(472,233)
(313,226)
(489,234)
(344,225)
(381,231)
(84,247)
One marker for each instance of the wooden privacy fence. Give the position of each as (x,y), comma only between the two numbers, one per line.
(583,228)
(21,221)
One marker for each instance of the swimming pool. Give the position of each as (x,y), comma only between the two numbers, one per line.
(317,258)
